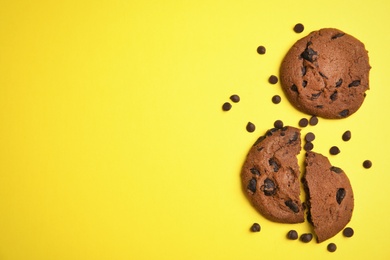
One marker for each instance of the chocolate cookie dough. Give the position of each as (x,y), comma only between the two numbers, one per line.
(326,74)
(330,197)
(270,175)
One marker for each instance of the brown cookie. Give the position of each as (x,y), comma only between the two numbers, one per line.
(329,196)
(326,74)
(270,175)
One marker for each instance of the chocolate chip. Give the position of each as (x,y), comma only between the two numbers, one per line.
(348,232)
(276,99)
(306,238)
(293,138)
(339,82)
(250,127)
(292,205)
(304,83)
(294,88)
(273,79)
(354,83)
(367,164)
(313,120)
(333,97)
(336,169)
(255,171)
(226,106)
(298,28)
(308,146)
(252,185)
(303,122)
(235,98)
(292,235)
(309,137)
(315,95)
(331,247)
(346,136)
(303,71)
(323,75)
(272,162)
(261,50)
(337,35)
(340,195)
(278,124)
(319,106)
(255,227)
(308,54)
(344,113)
(334,150)
(261,138)
(268,188)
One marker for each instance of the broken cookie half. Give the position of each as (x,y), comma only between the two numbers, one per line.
(271,181)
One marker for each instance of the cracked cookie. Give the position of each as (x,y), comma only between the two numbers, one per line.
(326,74)
(270,175)
(329,194)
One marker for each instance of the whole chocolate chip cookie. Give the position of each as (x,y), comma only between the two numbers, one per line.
(326,74)
(270,175)
(329,194)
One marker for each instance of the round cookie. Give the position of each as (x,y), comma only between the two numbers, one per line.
(329,194)
(326,74)
(270,175)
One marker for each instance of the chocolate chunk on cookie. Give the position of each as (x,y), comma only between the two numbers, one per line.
(329,194)
(270,175)
(326,74)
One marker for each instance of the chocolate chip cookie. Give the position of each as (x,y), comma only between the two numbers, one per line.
(329,194)
(270,175)
(326,74)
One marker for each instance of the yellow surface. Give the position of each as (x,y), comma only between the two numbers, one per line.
(113,144)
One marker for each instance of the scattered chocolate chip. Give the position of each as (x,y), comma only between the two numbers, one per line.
(276,99)
(337,35)
(334,150)
(226,106)
(292,205)
(367,164)
(344,113)
(303,122)
(252,185)
(261,50)
(278,124)
(309,137)
(336,169)
(308,146)
(250,127)
(331,247)
(354,83)
(306,238)
(255,227)
(313,120)
(292,235)
(268,188)
(273,79)
(255,171)
(298,28)
(346,136)
(235,98)
(348,232)
(294,88)
(340,195)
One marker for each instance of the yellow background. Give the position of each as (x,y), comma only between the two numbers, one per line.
(113,143)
